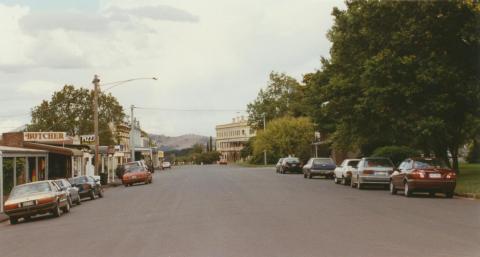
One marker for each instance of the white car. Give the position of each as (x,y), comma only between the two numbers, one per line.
(166,165)
(343,173)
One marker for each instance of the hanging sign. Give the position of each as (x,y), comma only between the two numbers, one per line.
(87,139)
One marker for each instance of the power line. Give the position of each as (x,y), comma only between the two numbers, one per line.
(189,110)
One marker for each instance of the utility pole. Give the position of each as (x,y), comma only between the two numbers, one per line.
(132,128)
(96,85)
(264,151)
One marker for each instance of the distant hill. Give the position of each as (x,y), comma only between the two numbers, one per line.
(167,143)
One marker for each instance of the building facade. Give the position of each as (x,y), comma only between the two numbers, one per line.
(232,138)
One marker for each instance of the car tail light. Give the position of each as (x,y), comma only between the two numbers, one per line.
(86,186)
(12,206)
(368,172)
(417,174)
(451,175)
(46,200)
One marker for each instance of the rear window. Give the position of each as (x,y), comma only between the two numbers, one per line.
(79,180)
(323,161)
(292,160)
(134,169)
(27,189)
(430,164)
(353,163)
(378,163)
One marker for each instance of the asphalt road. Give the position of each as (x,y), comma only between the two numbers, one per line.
(215,211)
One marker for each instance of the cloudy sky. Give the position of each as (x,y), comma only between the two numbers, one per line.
(210,54)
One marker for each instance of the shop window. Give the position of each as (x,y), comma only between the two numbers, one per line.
(32,169)
(7,176)
(21,170)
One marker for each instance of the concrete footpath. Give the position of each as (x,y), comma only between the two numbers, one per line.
(3,217)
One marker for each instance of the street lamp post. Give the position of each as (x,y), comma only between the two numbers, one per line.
(97,85)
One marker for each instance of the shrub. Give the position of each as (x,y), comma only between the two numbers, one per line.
(396,153)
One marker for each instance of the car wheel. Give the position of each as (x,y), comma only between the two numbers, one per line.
(56,211)
(100,193)
(79,201)
(407,191)
(310,176)
(431,194)
(449,194)
(70,201)
(66,209)
(13,220)
(352,185)
(92,194)
(393,190)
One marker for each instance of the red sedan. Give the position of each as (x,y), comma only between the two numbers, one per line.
(423,175)
(136,174)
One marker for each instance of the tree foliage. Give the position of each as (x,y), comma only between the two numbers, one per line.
(283,96)
(285,136)
(71,110)
(400,73)
(396,153)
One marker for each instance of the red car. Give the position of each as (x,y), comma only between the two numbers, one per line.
(136,174)
(423,175)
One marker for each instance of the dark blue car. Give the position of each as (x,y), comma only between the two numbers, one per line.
(319,167)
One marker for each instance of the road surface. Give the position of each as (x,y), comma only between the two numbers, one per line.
(223,211)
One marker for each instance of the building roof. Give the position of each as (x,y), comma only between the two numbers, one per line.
(9,149)
(54,149)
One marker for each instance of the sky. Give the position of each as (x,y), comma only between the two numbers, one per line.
(212,56)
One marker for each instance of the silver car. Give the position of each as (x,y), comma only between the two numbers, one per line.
(371,171)
(73,196)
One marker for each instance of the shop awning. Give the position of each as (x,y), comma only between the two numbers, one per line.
(53,149)
(17,150)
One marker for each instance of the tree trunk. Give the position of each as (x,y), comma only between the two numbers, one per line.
(454,153)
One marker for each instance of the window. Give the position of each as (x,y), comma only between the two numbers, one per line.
(21,170)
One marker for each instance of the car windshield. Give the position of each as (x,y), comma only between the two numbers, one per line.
(323,161)
(59,183)
(378,163)
(292,160)
(28,189)
(129,166)
(134,169)
(430,164)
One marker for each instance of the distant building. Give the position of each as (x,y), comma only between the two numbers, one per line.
(232,138)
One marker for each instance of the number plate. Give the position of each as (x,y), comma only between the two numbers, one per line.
(134,177)
(29,203)
(435,175)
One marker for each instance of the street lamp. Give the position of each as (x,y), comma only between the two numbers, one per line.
(97,85)
(264,151)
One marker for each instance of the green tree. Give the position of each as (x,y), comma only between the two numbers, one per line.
(285,136)
(403,72)
(71,110)
(281,97)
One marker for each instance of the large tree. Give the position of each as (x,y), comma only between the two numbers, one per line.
(285,136)
(281,97)
(403,72)
(71,110)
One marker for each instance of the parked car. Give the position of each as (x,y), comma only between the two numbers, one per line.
(278,166)
(372,171)
(423,175)
(166,165)
(136,174)
(343,173)
(73,196)
(290,164)
(223,162)
(87,186)
(319,167)
(35,198)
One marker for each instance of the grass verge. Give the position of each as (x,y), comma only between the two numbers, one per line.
(468,182)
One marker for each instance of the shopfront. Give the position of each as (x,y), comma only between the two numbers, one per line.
(19,166)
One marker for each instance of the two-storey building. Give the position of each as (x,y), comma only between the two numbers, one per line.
(232,138)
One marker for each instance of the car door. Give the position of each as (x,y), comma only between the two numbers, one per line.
(404,171)
(355,171)
(339,171)
(396,176)
(307,166)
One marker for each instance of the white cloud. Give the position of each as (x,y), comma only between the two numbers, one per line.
(207,54)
